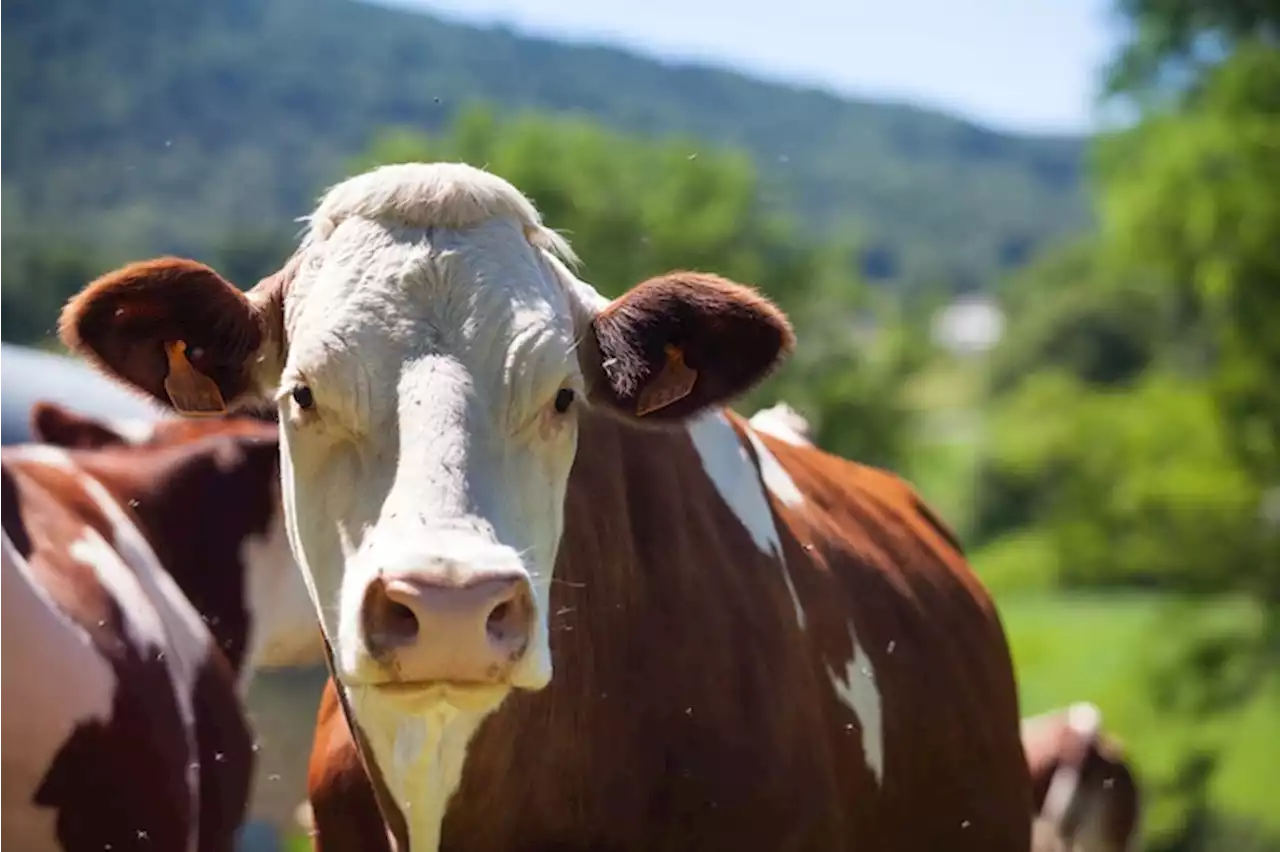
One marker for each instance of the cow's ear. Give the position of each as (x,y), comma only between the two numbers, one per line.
(177,331)
(680,343)
(53,424)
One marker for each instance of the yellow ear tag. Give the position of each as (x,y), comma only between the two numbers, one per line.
(673,383)
(190,391)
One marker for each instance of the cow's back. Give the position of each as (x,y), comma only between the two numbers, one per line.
(921,697)
(121,715)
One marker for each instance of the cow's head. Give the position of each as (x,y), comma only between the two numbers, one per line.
(431,355)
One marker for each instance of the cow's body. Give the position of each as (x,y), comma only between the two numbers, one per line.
(572,604)
(142,583)
(1086,794)
(757,646)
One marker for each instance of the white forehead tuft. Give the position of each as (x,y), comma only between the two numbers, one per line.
(427,195)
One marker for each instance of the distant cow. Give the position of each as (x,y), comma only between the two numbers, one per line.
(144,579)
(1086,794)
(542,550)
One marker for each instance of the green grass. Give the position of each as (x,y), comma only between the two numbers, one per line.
(298,843)
(1021,562)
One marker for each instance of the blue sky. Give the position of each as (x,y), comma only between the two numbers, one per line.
(1026,65)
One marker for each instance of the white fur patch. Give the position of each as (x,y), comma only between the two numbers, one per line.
(857,690)
(133,430)
(1084,719)
(282,621)
(54,681)
(784,423)
(421,746)
(729,467)
(776,478)
(440,195)
(727,463)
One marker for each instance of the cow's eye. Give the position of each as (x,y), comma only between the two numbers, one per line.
(303,397)
(564,399)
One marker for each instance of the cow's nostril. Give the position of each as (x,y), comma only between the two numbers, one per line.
(400,621)
(499,622)
(388,623)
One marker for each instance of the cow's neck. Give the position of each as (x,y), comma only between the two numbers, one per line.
(640,509)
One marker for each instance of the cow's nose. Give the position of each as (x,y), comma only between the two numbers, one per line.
(426,630)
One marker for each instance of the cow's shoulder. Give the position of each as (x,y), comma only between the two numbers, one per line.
(859,515)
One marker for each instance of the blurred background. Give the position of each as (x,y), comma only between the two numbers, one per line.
(1031,248)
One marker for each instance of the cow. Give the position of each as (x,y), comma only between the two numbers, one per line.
(571,599)
(147,573)
(1086,793)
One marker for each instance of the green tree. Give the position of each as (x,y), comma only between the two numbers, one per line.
(40,273)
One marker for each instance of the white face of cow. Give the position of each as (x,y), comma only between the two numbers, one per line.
(429,405)
(430,356)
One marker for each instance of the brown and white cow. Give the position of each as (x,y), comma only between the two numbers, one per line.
(573,602)
(1085,791)
(144,578)
(261,609)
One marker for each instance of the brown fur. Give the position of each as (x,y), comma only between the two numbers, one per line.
(122,321)
(726,332)
(172,485)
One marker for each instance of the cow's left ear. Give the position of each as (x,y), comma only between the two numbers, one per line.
(176,330)
(683,342)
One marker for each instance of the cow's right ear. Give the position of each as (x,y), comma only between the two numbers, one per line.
(179,332)
(53,424)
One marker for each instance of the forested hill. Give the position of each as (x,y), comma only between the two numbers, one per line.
(164,124)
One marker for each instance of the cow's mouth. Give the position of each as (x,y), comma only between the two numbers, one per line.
(462,695)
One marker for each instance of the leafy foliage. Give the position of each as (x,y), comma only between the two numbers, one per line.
(1135,408)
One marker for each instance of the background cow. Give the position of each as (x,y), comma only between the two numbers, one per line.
(1085,790)
(257,592)
(493,474)
(150,576)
